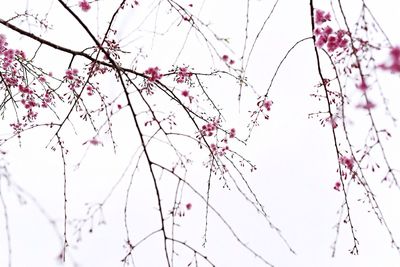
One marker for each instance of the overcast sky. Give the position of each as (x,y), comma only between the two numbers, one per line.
(295,157)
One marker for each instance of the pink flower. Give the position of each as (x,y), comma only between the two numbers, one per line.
(268,104)
(321,16)
(185,93)
(322,39)
(42,79)
(70,74)
(332,47)
(94,141)
(183,75)
(362,86)
(337,186)
(395,53)
(213,147)
(232,133)
(90,90)
(23,89)
(20,54)
(209,128)
(326,35)
(394,65)
(348,162)
(154,73)
(84,5)
(9,55)
(328,30)
(333,122)
(368,105)
(3,43)
(225,58)
(188,206)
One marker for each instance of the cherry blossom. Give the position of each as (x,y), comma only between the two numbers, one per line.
(84,5)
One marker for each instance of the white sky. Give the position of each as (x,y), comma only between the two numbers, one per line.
(294,155)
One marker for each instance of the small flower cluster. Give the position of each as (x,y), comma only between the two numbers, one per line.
(367,105)
(394,63)
(267,104)
(8,54)
(3,43)
(362,86)
(332,121)
(181,210)
(12,62)
(17,127)
(226,59)
(47,98)
(321,17)
(154,74)
(186,93)
(183,75)
(74,81)
(7,59)
(84,5)
(347,162)
(71,74)
(28,99)
(219,150)
(337,186)
(90,90)
(94,141)
(264,106)
(232,133)
(210,128)
(95,68)
(325,34)
(221,147)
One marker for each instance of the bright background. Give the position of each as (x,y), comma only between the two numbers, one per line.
(295,156)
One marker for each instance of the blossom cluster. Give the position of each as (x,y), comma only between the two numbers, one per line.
(337,186)
(225,58)
(8,54)
(394,62)
(325,35)
(181,210)
(347,162)
(13,77)
(154,74)
(232,133)
(183,75)
(264,106)
(267,104)
(209,128)
(73,79)
(221,147)
(84,5)
(219,150)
